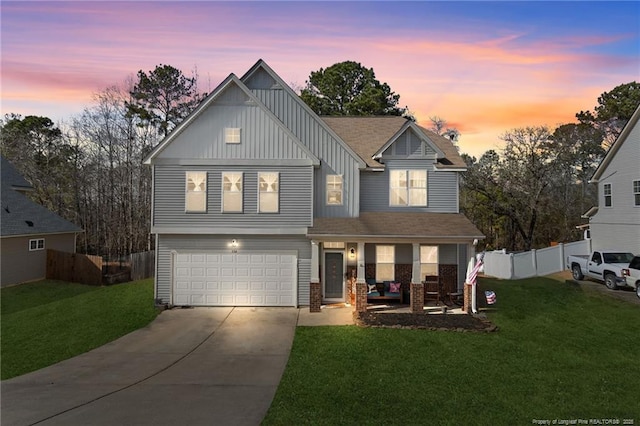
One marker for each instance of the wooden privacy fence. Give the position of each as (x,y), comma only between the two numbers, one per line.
(74,267)
(142,265)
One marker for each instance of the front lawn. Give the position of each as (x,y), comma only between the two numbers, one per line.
(559,354)
(48,321)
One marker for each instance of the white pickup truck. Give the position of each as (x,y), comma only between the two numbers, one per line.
(603,265)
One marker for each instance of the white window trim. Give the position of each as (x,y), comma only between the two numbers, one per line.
(232,135)
(393,263)
(327,190)
(636,192)
(187,191)
(604,195)
(277,192)
(423,264)
(241,192)
(39,244)
(407,189)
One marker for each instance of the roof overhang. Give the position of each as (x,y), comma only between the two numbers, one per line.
(397,226)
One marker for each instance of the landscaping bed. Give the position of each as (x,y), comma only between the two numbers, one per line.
(448,322)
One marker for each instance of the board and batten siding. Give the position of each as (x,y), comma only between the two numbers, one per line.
(408,145)
(336,159)
(295,199)
(167,244)
(260,137)
(442,189)
(618,227)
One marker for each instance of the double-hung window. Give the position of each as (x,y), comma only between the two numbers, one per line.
(36,244)
(334,190)
(232,192)
(636,193)
(408,188)
(268,191)
(385,263)
(608,201)
(196,192)
(428,260)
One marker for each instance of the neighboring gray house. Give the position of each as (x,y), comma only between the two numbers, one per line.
(255,197)
(27,229)
(615,223)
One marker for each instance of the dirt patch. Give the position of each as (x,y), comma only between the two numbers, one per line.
(448,322)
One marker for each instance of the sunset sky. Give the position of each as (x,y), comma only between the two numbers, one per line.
(485,67)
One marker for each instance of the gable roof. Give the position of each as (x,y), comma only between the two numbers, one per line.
(210,99)
(616,146)
(369,136)
(21,216)
(261,64)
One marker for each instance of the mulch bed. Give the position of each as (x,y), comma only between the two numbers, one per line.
(446,322)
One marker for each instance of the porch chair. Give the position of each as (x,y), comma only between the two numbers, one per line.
(432,288)
(450,289)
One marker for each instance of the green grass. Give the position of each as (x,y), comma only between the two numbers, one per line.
(559,353)
(49,321)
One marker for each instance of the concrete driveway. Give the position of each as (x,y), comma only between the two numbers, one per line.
(200,366)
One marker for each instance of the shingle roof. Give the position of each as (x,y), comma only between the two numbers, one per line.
(11,177)
(366,135)
(397,224)
(21,216)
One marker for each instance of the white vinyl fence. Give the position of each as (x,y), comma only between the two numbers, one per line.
(532,263)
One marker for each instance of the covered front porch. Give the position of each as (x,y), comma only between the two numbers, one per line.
(383,254)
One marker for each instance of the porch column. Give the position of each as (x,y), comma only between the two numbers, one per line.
(416,288)
(468,288)
(315,289)
(361,283)
(360,262)
(415,273)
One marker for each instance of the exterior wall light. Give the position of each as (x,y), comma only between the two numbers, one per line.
(234,246)
(352,253)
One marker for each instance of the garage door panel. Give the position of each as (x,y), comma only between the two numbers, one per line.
(233,279)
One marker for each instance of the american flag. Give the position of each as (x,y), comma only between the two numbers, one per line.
(491,297)
(473,276)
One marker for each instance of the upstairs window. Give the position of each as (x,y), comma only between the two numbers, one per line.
(636,193)
(37,244)
(608,202)
(232,192)
(408,188)
(428,260)
(385,263)
(232,135)
(268,192)
(334,190)
(196,192)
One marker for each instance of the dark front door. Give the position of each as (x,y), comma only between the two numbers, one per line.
(333,269)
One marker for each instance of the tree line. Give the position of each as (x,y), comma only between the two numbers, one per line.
(90,170)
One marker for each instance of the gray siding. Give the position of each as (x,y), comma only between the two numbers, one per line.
(442,189)
(168,243)
(336,159)
(618,227)
(296,188)
(262,136)
(408,145)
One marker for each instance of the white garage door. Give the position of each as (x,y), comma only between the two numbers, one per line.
(235,279)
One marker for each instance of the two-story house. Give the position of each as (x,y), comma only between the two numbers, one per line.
(256,198)
(615,223)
